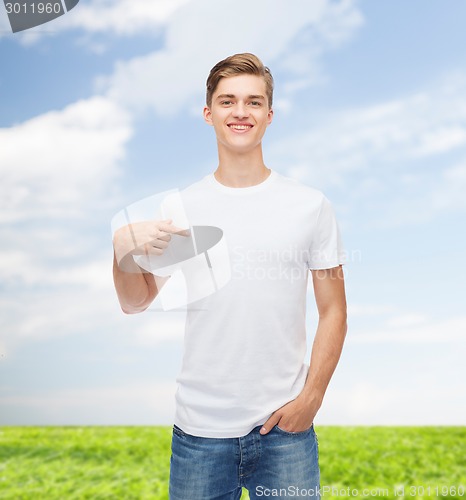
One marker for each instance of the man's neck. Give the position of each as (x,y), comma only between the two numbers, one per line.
(241,170)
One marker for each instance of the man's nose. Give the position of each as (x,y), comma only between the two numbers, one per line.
(240,110)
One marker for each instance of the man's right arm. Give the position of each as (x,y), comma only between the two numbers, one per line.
(136,289)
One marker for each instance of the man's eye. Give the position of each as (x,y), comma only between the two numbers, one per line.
(226,103)
(256,103)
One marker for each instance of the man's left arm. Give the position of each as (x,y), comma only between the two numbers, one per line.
(329,290)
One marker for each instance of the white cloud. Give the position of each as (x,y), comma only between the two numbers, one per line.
(448,194)
(131,404)
(54,169)
(195,31)
(369,309)
(206,31)
(366,403)
(4,23)
(3,350)
(407,320)
(395,133)
(440,139)
(339,21)
(456,174)
(46,300)
(94,274)
(53,163)
(35,314)
(116,17)
(414,329)
(36,267)
(121,17)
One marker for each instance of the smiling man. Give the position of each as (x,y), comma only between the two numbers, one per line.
(246,398)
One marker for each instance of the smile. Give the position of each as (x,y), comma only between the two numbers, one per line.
(240,127)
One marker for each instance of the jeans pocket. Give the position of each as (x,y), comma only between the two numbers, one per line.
(178,431)
(300,433)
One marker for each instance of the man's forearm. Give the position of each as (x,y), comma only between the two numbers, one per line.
(135,290)
(326,351)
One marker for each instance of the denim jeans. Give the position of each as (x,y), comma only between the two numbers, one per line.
(279,464)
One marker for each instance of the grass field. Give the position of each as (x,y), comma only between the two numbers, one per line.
(133,462)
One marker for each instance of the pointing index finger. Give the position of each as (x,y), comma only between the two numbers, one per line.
(170,228)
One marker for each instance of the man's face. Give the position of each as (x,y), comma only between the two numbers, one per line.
(239,112)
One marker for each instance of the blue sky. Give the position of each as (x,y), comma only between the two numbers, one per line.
(102,107)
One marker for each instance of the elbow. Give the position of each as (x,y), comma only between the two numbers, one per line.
(344,322)
(345,327)
(136,307)
(132,310)
(135,299)
(337,317)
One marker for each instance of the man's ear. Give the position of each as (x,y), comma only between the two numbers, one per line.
(208,115)
(270,116)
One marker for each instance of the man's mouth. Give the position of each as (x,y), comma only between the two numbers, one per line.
(240,126)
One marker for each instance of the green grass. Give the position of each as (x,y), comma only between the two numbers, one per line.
(388,458)
(133,462)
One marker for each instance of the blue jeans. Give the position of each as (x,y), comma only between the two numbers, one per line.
(278,464)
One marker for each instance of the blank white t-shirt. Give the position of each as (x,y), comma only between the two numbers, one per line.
(245,345)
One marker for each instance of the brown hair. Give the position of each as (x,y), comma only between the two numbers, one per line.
(239,64)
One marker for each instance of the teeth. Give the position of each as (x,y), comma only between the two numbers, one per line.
(240,127)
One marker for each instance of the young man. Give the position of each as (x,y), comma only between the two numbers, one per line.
(246,399)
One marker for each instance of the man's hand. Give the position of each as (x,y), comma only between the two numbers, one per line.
(144,238)
(136,289)
(296,416)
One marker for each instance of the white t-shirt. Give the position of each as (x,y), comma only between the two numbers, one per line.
(244,345)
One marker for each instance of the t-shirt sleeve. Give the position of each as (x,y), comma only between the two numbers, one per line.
(326,249)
